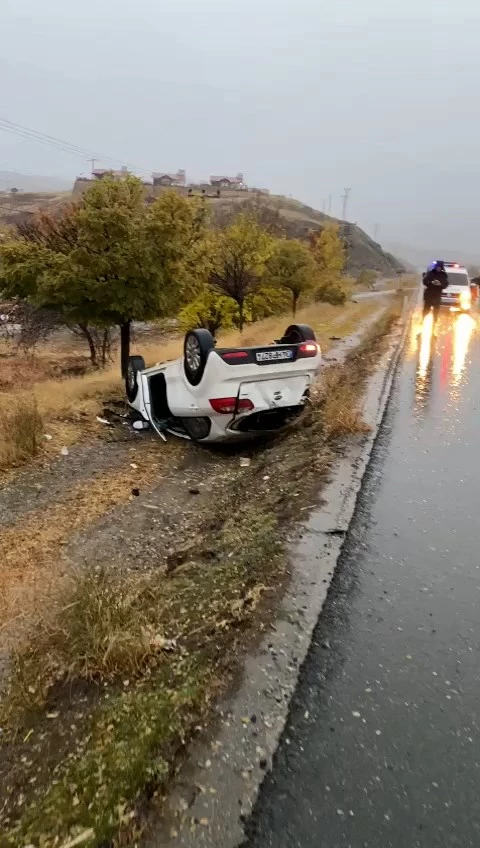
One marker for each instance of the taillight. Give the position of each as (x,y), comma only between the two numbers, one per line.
(227,406)
(307,349)
(235,354)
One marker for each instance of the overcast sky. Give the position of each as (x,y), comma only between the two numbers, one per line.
(304,96)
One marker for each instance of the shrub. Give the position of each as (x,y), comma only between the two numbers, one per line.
(333,293)
(20,433)
(210,310)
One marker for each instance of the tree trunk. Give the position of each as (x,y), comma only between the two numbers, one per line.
(124,346)
(91,344)
(240,315)
(294,303)
(105,346)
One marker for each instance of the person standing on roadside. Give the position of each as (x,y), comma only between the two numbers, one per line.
(435,281)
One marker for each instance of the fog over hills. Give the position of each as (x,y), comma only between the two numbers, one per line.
(32,182)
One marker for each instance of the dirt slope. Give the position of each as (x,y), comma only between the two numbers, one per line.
(299,220)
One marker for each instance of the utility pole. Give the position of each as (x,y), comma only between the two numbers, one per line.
(329,204)
(345,197)
(92,162)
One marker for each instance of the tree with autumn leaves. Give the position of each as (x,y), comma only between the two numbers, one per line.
(109,260)
(112,259)
(292,268)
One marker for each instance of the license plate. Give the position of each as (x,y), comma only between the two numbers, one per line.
(273,355)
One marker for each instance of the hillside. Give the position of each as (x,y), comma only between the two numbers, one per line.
(298,220)
(32,182)
(294,217)
(17,208)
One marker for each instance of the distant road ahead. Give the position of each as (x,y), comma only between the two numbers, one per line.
(368,294)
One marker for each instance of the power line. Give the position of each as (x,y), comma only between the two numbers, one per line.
(53,141)
(32,135)
(19,129)
(59,144)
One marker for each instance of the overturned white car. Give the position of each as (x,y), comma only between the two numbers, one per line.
(223,394)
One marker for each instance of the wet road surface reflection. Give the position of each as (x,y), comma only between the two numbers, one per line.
(382,749)
(442,351)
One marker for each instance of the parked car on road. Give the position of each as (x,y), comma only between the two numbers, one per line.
(458,294)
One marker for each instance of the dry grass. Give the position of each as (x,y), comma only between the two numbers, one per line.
(69,406)
(34,567)
(342,415)
(325,319)
(113,624)
(21,429)
(342,387)
(20,372)
(173,632)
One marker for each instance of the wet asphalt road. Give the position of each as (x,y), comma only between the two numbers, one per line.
(383,746)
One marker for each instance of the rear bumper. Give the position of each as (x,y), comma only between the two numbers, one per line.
(240,429)
(268,421)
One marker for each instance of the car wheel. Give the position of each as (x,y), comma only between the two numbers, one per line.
(298,333)
(135,364)
(197,346)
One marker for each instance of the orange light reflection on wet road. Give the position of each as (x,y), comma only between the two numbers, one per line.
(425,344)
(462,333)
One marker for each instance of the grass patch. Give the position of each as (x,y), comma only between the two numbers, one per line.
(112,626)
(342,416)
(34,566)
(164,642)
(21,428)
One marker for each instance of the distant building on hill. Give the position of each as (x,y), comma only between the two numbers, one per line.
(169,180)
(218,186)
(237,182)
(100,173)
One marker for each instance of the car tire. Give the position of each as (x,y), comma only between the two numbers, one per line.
(135,364)
(298,333)
(196,348)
